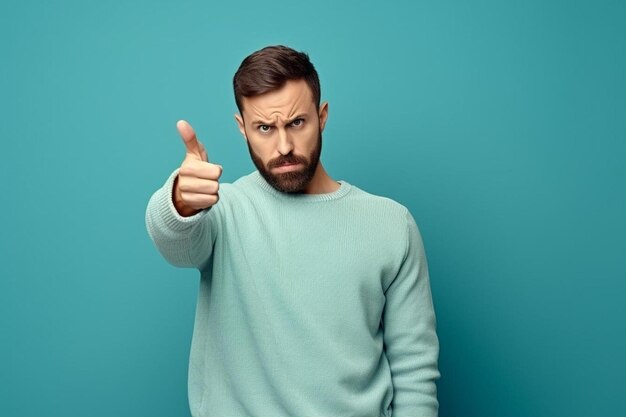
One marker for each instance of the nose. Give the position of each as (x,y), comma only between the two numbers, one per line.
(285,143)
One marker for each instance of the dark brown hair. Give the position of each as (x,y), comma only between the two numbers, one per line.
(268,69)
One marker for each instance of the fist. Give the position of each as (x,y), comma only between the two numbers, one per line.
(196,187)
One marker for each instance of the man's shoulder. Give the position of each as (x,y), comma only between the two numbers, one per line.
(378,201)
(379,209)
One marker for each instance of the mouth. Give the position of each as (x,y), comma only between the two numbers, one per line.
(287,167)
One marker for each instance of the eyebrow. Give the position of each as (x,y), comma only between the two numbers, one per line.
(259,122)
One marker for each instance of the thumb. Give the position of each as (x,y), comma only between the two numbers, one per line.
(192,144)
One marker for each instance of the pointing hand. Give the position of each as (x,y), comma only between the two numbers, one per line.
(196,187)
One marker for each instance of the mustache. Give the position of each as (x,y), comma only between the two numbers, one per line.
(286,159)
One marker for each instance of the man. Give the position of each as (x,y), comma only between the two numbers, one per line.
(314,296)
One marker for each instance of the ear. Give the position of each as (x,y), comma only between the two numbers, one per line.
(323,115)
(241,126)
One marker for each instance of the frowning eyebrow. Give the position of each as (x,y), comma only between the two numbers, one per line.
(260,122)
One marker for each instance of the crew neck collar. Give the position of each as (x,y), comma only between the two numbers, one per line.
(343,189)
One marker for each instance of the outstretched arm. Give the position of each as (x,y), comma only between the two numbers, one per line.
(177,218)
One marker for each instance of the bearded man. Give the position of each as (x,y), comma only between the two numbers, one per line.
(314,295)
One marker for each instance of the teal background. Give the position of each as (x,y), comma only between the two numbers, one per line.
(500,124)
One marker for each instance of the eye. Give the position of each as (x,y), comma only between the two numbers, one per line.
(297,123)
(264,128)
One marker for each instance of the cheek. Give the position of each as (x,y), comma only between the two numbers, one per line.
(263,149)
(312,139)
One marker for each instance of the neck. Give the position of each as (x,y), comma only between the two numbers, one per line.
(321,183)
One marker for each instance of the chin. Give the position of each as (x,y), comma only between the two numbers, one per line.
(290,183)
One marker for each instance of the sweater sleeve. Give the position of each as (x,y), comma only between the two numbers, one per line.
(183,241)
(409,328)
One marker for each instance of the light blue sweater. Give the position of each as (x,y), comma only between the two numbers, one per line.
(309,305)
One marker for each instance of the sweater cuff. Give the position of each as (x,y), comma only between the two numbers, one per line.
(168,213)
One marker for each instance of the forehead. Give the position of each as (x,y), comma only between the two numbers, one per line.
(295,97)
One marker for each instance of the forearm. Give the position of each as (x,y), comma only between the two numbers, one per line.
(414,372)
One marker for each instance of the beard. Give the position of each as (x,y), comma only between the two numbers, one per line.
(293,182)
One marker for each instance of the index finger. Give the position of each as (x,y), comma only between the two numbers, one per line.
(192,144)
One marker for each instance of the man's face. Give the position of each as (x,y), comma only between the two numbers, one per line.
(283,129)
